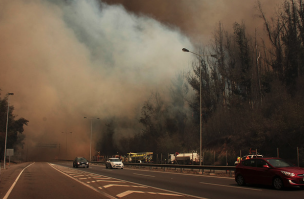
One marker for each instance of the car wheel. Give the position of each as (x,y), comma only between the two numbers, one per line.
(240,180)
(277,183)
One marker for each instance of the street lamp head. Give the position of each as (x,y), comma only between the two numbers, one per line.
(10,93)
(185,50)
(84,117)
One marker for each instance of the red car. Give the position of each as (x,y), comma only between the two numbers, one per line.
(269,171)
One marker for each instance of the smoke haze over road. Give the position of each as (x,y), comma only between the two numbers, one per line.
(68,59)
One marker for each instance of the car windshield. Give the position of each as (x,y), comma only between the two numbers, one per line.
(279,163)
(114,160)
(82,159)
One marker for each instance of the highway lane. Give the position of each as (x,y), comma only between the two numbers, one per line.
(48,180)
(40,180)
(9,175)
(193,184)
(61,180)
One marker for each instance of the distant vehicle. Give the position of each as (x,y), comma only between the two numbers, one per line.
(141,157)
(80,162)
(269,171)
(250,156)
(114,163)
(183,158)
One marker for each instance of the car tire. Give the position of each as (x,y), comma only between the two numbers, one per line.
(240,180)
(277,183)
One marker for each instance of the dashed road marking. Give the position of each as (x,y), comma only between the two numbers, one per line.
(122,185)
(13,185)
(237,187)
(123,194)
(105,194)
(109,180)
(143,175)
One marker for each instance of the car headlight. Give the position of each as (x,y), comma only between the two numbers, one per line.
(288,173)
(87,163)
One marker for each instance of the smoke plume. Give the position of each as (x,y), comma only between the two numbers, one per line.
(68,59)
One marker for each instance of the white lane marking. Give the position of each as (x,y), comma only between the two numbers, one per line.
(123,194)
(165,194)
(119,180)
(174,192)
(186,174)
(82,178)
(13,185)
(99,187)
(122,185)
(230,186)
(105,194)
(76,176)
(107,181)
(102,178)
(143,175)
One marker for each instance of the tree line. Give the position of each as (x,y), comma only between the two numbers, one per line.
(15,128)
(251,94)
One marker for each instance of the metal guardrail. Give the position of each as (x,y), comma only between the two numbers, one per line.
(202,167)
(231,168)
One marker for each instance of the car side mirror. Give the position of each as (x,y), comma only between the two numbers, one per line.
(266,166)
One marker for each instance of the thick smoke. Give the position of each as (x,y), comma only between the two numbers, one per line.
(198,18)
(68,59)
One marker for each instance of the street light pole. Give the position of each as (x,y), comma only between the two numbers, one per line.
(201,128)
(6,128)
(91,137)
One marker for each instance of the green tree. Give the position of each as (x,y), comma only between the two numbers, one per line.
(15,127)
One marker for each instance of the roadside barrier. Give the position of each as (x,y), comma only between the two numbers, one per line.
(229,169)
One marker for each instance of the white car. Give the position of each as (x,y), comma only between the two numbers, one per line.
(114,163)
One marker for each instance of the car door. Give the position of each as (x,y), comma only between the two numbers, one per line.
(263,174)
(248,170)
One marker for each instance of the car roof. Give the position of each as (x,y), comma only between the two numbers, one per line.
(264,158)
(80,157)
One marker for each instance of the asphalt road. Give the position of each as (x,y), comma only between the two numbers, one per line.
(61,180)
